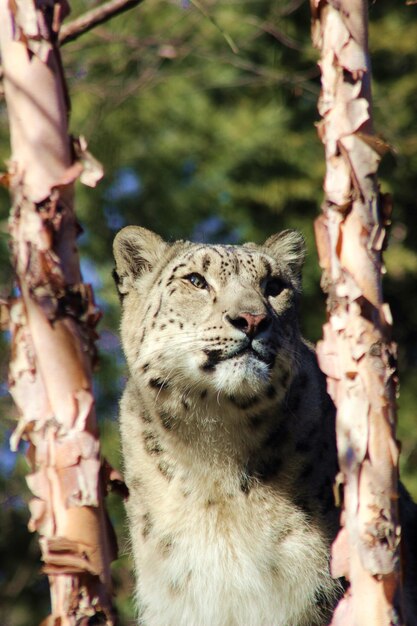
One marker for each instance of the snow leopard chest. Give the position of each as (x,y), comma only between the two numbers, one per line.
(217,563)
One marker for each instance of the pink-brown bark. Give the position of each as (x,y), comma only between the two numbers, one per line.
(53,321)
(356,352)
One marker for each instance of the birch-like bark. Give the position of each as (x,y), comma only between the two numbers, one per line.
(53,319)
(356,352)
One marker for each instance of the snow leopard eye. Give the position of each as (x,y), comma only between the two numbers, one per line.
(274,287)
(197,280)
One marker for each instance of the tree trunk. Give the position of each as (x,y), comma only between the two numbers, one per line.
(356,352)
(53,320)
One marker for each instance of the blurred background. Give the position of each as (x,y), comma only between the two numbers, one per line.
(199,141)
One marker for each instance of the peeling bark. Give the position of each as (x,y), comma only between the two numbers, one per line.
(53,320)
(356,352)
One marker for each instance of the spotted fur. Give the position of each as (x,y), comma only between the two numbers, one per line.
(223,420)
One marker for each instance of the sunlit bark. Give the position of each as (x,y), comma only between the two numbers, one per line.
(356,352)
(53,319)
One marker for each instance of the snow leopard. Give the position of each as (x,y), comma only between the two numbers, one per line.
(227,435)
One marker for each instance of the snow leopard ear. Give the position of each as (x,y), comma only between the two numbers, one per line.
(136,250)
(288,248)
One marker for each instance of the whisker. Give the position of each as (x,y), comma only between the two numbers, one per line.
(164,382)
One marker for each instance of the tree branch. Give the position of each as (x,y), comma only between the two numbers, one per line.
(93,18)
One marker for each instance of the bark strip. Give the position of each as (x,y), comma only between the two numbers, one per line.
(356,352)
(53,320)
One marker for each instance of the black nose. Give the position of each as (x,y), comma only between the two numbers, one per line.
(250,324)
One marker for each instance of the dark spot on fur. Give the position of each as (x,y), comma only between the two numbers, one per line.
(166,545)
(166,470)
(118,282)
(185,403)
(203,394)
(175,587)
(167,421)
(147,525)
(155,315)
(157,383)
(243,404)
(151,442)
(267,266)
(206,263)
(162,326)
(245,483)
(213,358)
(146,418)
(181,325)
(135,483)
(145,367)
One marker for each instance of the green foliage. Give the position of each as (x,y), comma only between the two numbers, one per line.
(197,141)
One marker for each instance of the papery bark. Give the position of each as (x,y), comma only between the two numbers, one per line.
(53,320)
(356,352)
